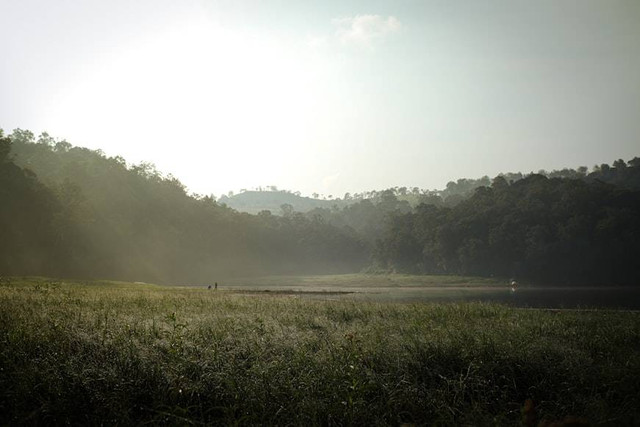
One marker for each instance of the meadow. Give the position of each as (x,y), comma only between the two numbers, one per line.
(74,352)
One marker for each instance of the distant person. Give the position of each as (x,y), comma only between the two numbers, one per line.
(514,285)
(216,286)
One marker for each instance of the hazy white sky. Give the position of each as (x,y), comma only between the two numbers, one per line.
(328,96)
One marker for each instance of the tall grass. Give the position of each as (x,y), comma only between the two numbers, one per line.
(102,353)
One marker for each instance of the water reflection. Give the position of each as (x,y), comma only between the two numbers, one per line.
(536,297)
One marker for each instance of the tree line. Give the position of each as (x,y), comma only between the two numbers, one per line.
(73,212)
(546,230)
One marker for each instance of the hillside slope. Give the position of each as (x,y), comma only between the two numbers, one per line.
(254,202)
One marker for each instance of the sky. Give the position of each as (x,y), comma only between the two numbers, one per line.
(327,96)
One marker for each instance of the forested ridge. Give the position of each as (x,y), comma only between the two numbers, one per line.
(548,230)
(73,212)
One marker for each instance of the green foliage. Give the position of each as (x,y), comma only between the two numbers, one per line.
(111,220)
(73,212)
(5,147)
(554,231)
(28,211)
(115,353)
(366,217)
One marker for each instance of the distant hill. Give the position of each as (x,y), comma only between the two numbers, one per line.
(254,202)
(621,173)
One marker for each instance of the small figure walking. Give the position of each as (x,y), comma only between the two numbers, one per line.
(514,285)
(216,286)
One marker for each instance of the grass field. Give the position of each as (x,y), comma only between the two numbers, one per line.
(120,353)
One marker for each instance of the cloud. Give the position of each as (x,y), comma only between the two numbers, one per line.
(364,29)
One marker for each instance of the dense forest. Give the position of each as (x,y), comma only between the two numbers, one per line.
(548,230)
(73,212)
(271,198)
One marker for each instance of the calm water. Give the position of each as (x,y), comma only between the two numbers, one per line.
(616,297)
(611,297)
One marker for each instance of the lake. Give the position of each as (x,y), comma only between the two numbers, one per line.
(411,289)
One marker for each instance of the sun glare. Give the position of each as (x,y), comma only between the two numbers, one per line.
(239,103)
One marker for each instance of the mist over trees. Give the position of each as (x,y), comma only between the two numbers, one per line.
(82,214)
(73,212)
(28,211)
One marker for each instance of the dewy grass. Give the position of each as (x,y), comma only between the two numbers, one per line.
(87,353)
